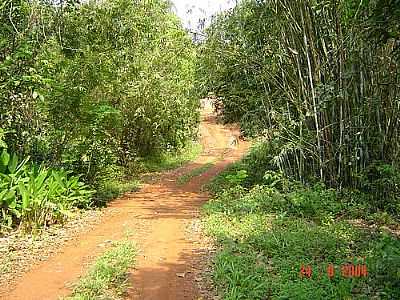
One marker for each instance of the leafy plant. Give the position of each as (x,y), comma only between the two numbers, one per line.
(238,178)
(34,196)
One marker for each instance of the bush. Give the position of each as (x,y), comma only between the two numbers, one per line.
(381,182)
(376,200)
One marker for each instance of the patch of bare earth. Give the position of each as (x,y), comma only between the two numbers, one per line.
(393,229)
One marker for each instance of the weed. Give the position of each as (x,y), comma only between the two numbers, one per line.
(107,278)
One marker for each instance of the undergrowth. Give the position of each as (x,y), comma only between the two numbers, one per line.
(270,229)
(118,181)
(33,196)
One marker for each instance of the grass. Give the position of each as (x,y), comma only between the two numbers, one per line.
(267,228)
(195,172)
(114,187)
(107,278)
(172,160)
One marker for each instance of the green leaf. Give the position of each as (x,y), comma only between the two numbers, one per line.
(4,159)
(40,179)
(11,199)
(12,164)
(2,195)
(58,179)
(25,195)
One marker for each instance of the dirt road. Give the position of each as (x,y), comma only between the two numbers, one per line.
(155,218)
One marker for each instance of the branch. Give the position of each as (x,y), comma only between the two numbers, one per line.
(10,18)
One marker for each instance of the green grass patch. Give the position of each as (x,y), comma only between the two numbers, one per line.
(196,172)
(172,160)
(261,253)
(267,227)
(107,278)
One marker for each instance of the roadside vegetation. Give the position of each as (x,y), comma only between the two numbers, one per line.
(33,195)
(281,239)
(91,95)
(317,83)
(107,278)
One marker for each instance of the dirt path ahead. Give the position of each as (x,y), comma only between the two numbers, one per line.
(156,218)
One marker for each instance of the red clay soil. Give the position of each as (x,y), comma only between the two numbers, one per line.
(155,218)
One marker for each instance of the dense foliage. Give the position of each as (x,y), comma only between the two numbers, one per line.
(94,86)
(318,78)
